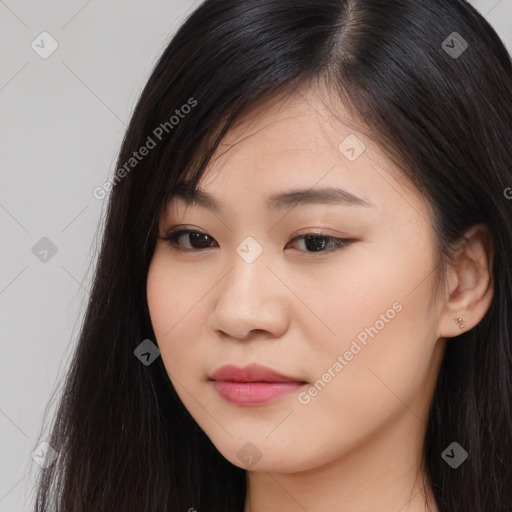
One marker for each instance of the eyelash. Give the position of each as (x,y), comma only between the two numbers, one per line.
(172,239)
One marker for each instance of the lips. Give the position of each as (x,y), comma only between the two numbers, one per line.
(253,385)
(250,373)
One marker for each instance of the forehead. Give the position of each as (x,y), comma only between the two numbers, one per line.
(299,136)
(300,148)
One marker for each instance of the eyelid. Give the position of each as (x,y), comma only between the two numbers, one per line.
(302,232)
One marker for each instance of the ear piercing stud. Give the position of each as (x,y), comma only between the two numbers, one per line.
(460,322)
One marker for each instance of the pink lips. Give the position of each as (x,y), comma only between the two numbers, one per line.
(252,385)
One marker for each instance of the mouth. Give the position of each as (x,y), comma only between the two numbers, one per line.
(253,385)
(251,373)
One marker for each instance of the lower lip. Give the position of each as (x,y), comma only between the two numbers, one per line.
(254,393)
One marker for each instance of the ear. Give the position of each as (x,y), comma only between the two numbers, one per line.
(470,282)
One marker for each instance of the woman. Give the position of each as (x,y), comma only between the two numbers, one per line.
(302,300)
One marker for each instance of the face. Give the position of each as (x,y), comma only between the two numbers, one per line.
(332,293)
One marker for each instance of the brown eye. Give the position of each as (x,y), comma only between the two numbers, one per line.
(196,239)
(314,242)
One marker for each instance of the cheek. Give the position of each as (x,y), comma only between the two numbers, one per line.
(171,294)
(382,377)
(381,323)
(363,296)
(175,307)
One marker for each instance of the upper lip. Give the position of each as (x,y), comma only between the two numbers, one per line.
(251,373)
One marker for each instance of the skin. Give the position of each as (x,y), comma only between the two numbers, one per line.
(357,444)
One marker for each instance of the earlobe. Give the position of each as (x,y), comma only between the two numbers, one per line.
(471,283)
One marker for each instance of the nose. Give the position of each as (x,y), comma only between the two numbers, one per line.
(250,299)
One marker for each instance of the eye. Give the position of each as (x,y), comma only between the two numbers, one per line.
(313,242)
(196,238)
(316,242)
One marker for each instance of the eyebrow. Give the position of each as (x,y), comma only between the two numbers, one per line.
(325,195)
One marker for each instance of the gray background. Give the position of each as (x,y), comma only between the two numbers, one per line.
(61,123)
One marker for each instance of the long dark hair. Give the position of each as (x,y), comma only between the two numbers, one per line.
(443,113)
